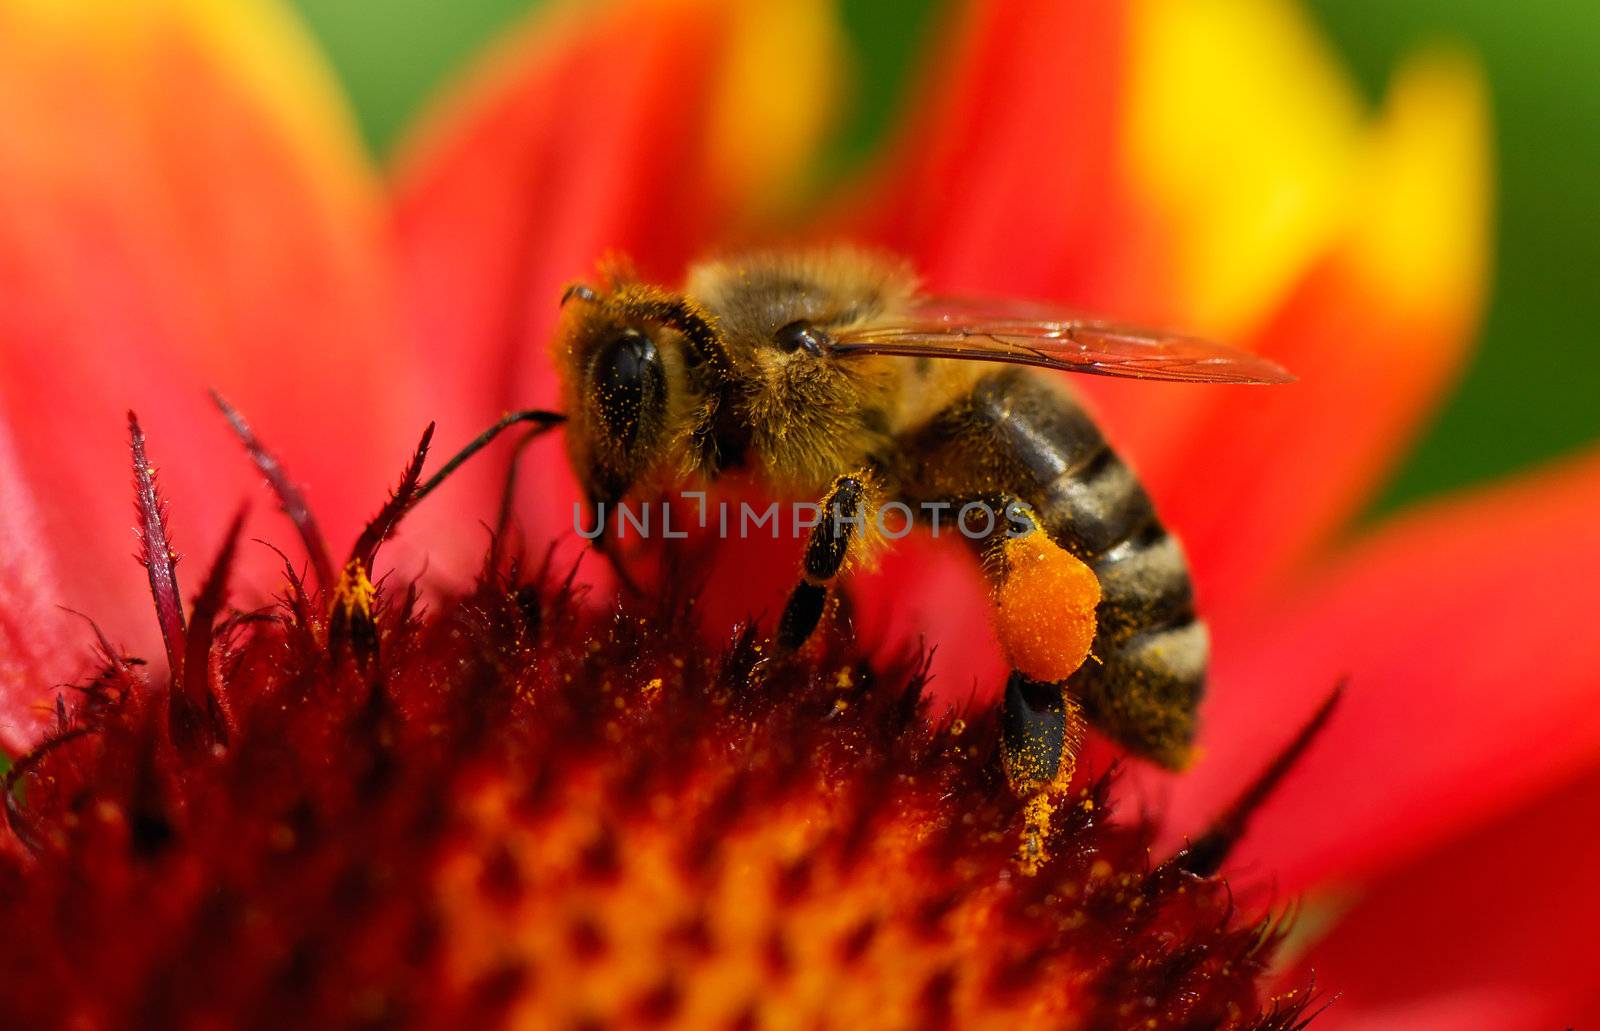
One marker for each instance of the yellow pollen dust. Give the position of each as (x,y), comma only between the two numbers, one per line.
(1045,608)
(1036,828)
(354,593)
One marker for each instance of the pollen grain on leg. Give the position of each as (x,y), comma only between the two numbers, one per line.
(1036,813)
(1045,607)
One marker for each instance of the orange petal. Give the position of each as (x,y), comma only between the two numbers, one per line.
(1466,633)
(182,206)
(650,127)
(1494,929)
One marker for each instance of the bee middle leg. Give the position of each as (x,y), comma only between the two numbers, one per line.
(845,510)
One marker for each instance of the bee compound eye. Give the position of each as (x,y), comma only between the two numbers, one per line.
(802,336)
(628,380)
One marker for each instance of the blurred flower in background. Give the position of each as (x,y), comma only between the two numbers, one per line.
(184,204)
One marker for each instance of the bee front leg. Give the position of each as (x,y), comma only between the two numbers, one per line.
(845,510)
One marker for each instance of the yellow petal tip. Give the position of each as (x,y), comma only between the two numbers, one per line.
(775,99)
(1422,240)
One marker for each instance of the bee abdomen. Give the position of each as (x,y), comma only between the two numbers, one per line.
(1145,690)
(1097,508)
(1145,586)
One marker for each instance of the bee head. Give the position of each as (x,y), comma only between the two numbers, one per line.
(620,350)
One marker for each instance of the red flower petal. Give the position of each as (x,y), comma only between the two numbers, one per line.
(1253,479)
(577,147)
(182,207)
(1474,679)
(32,632)
(1010,180)
(587,136)
(1509,914)
(933,594)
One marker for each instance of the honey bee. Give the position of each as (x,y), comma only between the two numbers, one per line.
(829,375)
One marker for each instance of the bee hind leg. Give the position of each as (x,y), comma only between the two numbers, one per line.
(1045,615)
(840,526)
(1041,731)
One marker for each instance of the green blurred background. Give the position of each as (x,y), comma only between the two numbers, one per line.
(1531,392)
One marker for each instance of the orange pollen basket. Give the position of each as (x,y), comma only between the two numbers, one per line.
(1045,608)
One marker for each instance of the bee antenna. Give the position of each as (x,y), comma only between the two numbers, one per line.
(1206,854)
(543,421)
(581,291)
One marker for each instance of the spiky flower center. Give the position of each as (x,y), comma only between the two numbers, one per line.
(517,807)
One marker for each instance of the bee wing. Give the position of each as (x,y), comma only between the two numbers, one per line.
(1027,333)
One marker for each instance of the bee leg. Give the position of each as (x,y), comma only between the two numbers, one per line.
(1045,600)
(1041,730)
(843,517)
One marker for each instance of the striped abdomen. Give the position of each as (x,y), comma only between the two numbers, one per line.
(1017,434)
